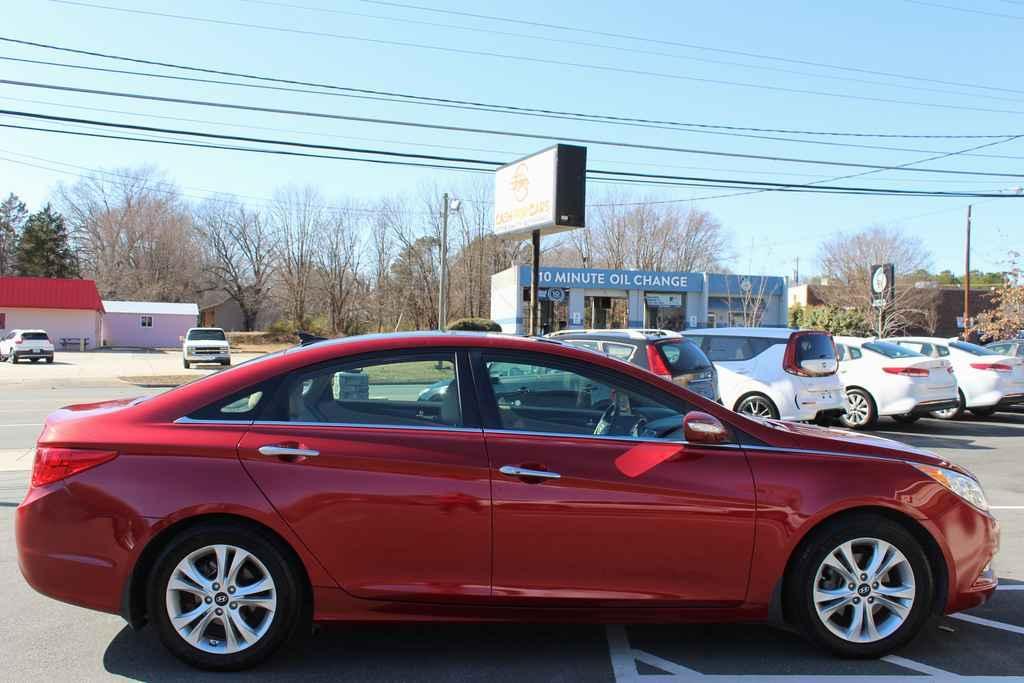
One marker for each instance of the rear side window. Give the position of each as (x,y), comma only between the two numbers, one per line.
(999,348)
(683,356)
(592,345)
(620,351)
(34,336)
(814,347)
(244,406)
(973,349)
(890,350)
(722,348)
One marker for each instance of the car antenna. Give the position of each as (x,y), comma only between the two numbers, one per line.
(305,338)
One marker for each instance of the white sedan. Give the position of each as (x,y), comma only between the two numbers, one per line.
(882,378)
(988,380)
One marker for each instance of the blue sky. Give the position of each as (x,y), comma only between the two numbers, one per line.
(771,230)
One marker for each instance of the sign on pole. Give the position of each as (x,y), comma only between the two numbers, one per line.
(883,283)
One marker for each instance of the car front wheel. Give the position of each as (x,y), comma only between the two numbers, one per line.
(862,587)
(225,597)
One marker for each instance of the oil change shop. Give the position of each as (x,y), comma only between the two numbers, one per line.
(584,298)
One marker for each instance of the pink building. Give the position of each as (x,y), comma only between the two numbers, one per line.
(69,310)
(148,324)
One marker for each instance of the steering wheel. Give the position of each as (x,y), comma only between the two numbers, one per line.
(607,419)
(635,432)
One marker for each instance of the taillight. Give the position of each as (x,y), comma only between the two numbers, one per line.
(17,341)
(908,372)
(998,367)
(949,369)
(54,464)
(656,364)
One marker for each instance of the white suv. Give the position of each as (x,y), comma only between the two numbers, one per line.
(20,344)
(988,380)
(882,378)
(205,345)
(774,372)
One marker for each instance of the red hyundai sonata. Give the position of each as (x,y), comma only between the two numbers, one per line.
(458,477)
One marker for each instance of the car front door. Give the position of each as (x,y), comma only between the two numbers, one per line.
(574,525)
(378,464)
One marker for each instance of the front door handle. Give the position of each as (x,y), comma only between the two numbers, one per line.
(514,471)
(286,452)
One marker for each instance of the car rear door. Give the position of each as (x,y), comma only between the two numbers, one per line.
(382,473)
(572,527)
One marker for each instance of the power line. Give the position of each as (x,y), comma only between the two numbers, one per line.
(535,60)
(487,131)
(692,46)
(476,104)
(572,117)
(621,177)
(967,10)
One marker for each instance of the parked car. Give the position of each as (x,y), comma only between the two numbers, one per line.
(987,380)
(663,352)
(773,372)
(882,378)
(205,345)
(35,345)
(231,511)
(1008,347)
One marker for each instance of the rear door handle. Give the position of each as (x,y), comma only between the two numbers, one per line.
(286,452)
(514,471)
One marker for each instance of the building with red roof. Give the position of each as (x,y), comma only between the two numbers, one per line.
(70,311)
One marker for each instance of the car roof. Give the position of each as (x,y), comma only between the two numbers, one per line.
(926,340)
(843,339)
(618,333)
(22,331)
(762,332)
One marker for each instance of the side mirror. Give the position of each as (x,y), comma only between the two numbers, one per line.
(700,427)
(820,366)
(181,337)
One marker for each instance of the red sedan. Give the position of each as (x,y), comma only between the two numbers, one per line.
(462,477)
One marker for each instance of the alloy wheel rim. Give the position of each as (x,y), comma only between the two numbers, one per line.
(756,406)
(856,410)
(221,599)
(864,590)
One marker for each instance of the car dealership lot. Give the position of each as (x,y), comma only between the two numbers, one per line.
(95,646)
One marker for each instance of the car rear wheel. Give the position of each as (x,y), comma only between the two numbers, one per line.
(862,587)
(757,405)
(860,410)
(187,364)
(225,597)
(951,413)
(983,412)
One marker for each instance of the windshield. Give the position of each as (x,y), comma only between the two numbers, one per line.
(37,336)
(973,349)
(683,356)
(890,350)
(206,335)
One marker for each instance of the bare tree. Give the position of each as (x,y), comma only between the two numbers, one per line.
(133,234)
(239,255)
(846,262)
(298,217)
(337,265)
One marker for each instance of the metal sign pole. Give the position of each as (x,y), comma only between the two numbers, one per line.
(534,286)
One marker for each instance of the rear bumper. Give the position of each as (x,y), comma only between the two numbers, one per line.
(926,407)
(1011,400)
(31,354)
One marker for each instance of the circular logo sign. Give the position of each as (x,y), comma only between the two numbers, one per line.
(520,183)
(746,285)
(556,294)
(879,281)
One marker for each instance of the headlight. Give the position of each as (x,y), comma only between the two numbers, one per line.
(963,486)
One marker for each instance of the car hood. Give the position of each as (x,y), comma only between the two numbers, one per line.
(843,442)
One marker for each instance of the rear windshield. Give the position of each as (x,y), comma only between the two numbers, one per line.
(37,336)
(814,347)
(973,349)
(890,350)
(683,356)
(206,335)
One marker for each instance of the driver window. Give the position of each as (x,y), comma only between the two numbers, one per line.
(534,397)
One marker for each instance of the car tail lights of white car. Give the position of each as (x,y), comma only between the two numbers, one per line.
(997,367)
(908,372)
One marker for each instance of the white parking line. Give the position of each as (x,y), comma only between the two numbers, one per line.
(1014,587)
(623,664)
(1006,507)
(1012,628)
(916,666)
(34,424)
(663,664)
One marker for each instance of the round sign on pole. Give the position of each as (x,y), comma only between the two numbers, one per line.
(879,281)
(556,294)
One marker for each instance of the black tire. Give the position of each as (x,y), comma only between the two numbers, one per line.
(800,584)
(49,360)
(746,404)
(34,360)
(290,619)
(12,359)
(951,413)
(906,419)
(187,364)
(225,362)
(867,402)
(983,412)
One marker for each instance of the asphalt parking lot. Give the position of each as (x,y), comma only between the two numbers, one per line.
(41,639)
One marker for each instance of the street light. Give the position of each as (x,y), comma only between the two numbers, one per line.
(449,205)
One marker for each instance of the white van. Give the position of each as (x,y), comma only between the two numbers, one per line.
(774,372)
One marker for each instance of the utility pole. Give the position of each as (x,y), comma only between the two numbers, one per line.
(442,289)
(535,285)
(967,275)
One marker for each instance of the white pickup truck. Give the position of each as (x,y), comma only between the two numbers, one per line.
(205,345)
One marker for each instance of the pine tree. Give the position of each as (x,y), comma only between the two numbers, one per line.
(12,219)
(44,249)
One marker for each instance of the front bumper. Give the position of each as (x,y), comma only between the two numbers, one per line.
(972,578)
(207,357)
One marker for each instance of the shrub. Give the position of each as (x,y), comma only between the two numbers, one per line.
(474,325)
